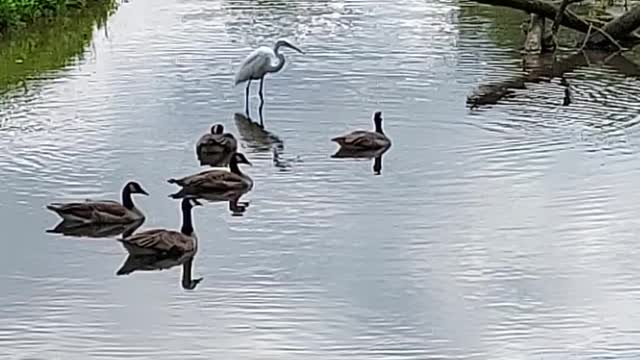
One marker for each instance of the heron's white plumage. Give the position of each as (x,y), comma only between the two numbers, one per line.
(255,65)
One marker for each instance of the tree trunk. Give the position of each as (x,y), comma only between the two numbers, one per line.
(534,42)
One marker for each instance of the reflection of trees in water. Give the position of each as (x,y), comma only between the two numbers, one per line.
(603,95)
(258,22)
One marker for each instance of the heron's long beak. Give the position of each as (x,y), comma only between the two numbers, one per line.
(291,46)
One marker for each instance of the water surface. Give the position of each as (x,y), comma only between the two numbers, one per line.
(502,232)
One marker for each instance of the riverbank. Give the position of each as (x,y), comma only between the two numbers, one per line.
(49,44)
(17,14)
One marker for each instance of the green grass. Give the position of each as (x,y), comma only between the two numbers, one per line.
(15,14)
(49,44)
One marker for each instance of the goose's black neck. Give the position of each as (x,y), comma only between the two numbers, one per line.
(126,198)
(187,225)
(379,126)
(233,165)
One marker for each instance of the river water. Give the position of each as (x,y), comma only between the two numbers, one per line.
(503,232)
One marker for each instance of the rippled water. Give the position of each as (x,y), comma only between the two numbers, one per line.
(501,232)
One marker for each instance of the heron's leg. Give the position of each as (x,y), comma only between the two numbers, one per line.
(260,92)
(246,99)
(261,88)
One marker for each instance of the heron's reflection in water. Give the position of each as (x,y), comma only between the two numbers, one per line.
(255,136)
(145,261)
(367,154)
(76,229)
(282,163)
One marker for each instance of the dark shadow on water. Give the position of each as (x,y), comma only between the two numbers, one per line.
(256,137)
(236,207)
(69,228)
(376,155)
(154,262)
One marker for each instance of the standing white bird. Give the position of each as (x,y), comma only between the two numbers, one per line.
(258,64)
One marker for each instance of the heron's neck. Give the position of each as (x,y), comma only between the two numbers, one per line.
(277,67)
(187,225)
(126,198)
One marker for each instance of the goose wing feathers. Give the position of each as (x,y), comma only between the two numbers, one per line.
(161,240)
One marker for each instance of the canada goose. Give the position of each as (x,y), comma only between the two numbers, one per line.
(361,140)
(162,241)
(215,180)
(216,148)
(104,211)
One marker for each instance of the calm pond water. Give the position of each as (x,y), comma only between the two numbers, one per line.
(504,232)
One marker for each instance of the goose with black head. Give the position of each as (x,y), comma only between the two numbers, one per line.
(163,241)
(362,140)
(102,211)
(215,180)
(216,148)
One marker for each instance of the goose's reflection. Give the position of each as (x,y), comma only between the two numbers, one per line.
(368,154)
(71,228)
(236,207)
(145,261)
(255,135)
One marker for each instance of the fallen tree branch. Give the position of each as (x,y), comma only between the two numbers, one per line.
(619,27)
(558,19)
(573,21)
(586,38)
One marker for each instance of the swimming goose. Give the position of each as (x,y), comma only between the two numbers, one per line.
(215,180)
(216,148)
(361,140)
(162,241)
(102,211)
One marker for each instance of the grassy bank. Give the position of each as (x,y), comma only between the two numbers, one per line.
(49,44)
(16,14)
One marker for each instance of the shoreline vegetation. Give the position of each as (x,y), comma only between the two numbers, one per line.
(49,41)
(18,14)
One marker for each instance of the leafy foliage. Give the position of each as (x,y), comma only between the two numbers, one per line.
(50,43)
(16,13)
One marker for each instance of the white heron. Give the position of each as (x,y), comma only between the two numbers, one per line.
(258,64)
